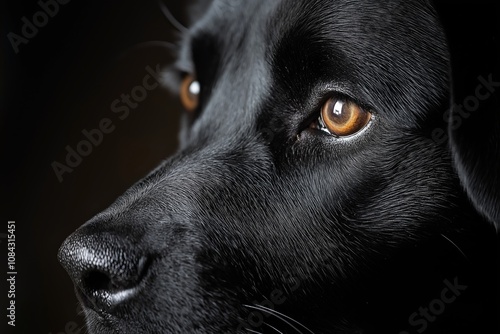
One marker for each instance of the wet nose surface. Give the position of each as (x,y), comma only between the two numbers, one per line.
(106,270)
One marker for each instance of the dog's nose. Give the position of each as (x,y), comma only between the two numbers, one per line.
(105,269)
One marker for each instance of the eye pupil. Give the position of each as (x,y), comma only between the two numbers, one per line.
(343,117)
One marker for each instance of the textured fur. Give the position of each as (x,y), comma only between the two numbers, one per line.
(258,210)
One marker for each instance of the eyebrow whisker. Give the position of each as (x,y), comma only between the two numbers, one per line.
(171,18)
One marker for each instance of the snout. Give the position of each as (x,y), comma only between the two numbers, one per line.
(153,261)
(106,269)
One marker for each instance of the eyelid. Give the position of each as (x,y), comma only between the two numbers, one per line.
(342,90)
(346,98)
(171,79)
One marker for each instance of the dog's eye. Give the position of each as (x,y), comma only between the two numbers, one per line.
(341,117)
(190,93)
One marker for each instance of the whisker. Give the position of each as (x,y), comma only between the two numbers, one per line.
(456,246)
(252,331)
(173,21)
(277,331)
(286,319)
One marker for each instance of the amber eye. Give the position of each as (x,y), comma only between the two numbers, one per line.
(343,118)
(190,93)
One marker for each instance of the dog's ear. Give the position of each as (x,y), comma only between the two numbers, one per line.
(475,144)
(474,121)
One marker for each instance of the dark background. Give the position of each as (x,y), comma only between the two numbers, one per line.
(60,83)
(64,81)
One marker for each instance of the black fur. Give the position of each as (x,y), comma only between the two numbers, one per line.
(259,210)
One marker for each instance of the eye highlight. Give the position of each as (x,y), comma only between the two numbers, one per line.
(342,117)
(190,93)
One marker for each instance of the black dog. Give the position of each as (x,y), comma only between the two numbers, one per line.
(314,191)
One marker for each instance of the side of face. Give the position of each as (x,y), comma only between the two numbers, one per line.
(268,207)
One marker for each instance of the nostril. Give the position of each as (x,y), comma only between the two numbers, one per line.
(97,281)
(114,276)
(105,269)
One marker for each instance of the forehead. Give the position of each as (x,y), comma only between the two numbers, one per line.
(234,19)
(368,47)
